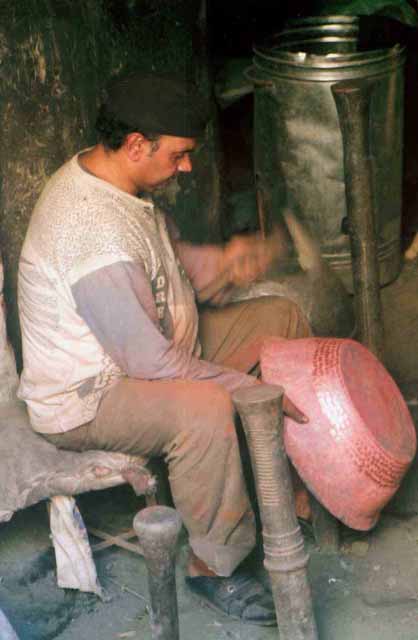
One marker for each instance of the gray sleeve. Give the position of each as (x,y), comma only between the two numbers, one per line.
(117,304)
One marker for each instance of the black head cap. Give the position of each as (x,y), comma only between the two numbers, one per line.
(160,104)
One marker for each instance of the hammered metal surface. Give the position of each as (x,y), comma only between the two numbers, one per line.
(350,463)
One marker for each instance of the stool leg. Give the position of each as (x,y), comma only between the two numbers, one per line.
(158,529)
(260,409)
(162,494)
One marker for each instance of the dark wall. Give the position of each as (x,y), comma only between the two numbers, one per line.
(56,57)
(236,25)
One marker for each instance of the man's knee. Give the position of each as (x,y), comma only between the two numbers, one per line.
(212,410)
(206,434)
(208,422)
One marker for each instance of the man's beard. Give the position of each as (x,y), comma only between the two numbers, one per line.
(165,184)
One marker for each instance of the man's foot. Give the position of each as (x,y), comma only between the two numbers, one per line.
(240,596)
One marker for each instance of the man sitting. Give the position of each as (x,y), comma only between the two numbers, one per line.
(115,355)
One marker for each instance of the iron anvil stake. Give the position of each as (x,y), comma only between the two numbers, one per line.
(158,530)
(260,409)
(352,100)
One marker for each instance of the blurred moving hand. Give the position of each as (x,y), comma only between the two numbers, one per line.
(247,258)
(244,259)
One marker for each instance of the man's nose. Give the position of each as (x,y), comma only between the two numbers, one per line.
(185,164)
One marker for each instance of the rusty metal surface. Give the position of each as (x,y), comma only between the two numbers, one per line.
(298,145)
(353,101)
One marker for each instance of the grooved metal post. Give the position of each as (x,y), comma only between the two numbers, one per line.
(158,529)
(353,105)
(260,409)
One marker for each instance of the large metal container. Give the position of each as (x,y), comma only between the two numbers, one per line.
(298,145)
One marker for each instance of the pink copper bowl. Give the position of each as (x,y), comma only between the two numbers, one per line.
(360,439)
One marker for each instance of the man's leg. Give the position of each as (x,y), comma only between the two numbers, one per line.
(191,424)
(233,335)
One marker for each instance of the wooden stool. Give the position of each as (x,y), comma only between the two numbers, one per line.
(161,496)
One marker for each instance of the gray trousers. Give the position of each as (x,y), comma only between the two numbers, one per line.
(191,424)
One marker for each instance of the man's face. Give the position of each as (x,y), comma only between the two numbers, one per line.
(170,157)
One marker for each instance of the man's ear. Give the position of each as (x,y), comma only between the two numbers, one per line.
(135,146)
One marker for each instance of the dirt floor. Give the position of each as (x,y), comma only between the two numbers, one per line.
(367,591)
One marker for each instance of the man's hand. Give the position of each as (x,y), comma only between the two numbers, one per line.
(246,258)
(290,410)
(243,260)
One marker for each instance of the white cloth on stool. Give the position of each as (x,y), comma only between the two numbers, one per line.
(75,564)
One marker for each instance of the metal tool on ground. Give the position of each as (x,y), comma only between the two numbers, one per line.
(353,103)
(158,530)
(6,630)
(261,413)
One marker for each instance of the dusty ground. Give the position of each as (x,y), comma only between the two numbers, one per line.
(369,590)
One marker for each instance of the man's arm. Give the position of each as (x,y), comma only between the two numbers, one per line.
(215,271)
(117,304)
(204,267)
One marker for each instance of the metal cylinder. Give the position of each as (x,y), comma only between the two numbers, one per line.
(298,151)
(158,529)
(260,409)
(320,33)
(353,106)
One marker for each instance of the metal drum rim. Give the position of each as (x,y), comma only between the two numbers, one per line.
(311,34)
(335,39)
(325,19)
(330,61)
(316,32)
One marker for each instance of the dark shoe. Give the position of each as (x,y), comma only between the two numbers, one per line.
(240,596)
